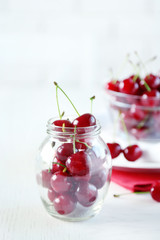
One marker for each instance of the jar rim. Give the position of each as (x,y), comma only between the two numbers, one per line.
(69,131)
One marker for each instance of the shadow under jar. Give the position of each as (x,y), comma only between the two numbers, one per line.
(141,115)
(73,171)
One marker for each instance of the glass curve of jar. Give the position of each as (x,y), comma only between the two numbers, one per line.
(73,171)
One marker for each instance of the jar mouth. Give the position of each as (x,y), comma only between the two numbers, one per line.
(80,132)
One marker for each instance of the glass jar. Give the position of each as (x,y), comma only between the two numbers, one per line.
(73,171)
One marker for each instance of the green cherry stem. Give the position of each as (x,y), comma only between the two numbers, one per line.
(128,193)
(60,116)
(92,98)
(83,143)
(74,140)
(65,168)
(56,84)
(124,126)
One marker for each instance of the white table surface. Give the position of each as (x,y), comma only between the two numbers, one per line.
(24,112)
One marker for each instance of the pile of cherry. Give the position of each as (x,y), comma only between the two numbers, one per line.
(142,117)
(77,173)
(131,153)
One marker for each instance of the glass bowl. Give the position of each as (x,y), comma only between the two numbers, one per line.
(137,115)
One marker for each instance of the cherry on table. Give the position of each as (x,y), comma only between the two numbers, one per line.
(115,149)
(64,151)
(64,204)
(78,164)
(155,191)
(86,194)
(59,182)
(132,152)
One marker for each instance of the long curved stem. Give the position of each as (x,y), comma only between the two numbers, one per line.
(56,84)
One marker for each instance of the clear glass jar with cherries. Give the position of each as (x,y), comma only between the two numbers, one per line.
(73,171)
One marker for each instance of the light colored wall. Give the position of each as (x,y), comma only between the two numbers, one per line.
(73,41)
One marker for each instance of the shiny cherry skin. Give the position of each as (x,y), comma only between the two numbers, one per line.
(56,166)
(113,86)
(132,152)
(51,195)
(137,112)
(59,182)
(64,204)
(99,178)
(78,164)
(153,81)
(85,120)
(155,191)
(61,123)
(46,177)
(139,133)
(86,194)
(128,86)
(64,151)
(115,149)
(150,98)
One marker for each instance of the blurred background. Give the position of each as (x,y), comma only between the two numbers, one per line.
(73,42)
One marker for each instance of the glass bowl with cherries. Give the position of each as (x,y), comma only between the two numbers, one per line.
(73,166)
(135,105)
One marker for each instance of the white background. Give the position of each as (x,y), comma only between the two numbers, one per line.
(73,42)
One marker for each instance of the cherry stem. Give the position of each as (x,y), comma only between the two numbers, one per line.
(83,143)
(122,194)
(56,84)
(63,127)
(140,60)
(92,98)
(65,168)
(146,86)
(122,66)
(124,126)
(60,116)
(141,124)
(151,59)
(74,140)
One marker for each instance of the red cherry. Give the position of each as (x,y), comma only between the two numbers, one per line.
(51,195)
(85,120)
(139,133)
(56,166)
(132,153)
(115,149)
(78,164)
(137,113)
(155,191)
(113,86)
(99,179)
(61,123)
(128,86)
(46,177)
(150,99)
(64,151)
(64,204)
(60,183)
(152,81)
(86,194)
